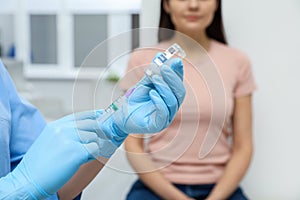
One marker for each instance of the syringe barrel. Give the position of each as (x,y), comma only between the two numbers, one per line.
(113,107)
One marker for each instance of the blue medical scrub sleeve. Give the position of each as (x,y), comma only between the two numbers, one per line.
(20,125)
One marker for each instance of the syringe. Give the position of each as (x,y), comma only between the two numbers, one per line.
(164,57)
(150,71)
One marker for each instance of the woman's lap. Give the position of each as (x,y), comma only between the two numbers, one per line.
(141,192)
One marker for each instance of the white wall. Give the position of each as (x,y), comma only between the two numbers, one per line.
(268,31)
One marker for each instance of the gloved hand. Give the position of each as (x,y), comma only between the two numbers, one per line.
(150,108)
(138,117)
(66,144)
(54,157)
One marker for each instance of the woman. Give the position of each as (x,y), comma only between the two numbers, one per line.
(217,174)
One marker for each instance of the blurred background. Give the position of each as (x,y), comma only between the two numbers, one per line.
(43,44)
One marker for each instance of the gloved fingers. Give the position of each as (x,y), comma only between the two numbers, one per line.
(174,82)
(87,125)
(166,94)
(92,114)
(107,148)
(88,137)
(146,81)
(140,94)
(177,66)
(103,133)
(162,112)
(93,149)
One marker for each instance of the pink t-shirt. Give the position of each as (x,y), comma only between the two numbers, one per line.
(195,148)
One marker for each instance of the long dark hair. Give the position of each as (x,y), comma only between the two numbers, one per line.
(215,30)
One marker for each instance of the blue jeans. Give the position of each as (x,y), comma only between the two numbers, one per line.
(140,191)
(78,197)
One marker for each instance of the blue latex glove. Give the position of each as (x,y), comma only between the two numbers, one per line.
(164,94)
(54,157)
(150,108)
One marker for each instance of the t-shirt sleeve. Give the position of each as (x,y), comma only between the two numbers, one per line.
(245,84)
